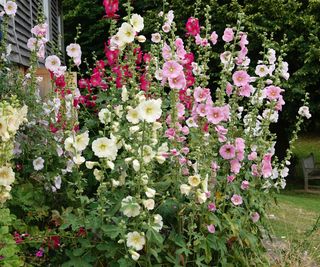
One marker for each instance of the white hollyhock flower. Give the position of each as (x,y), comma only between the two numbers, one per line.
(6,176)
(147,153)
(135,240)
(136,165)
(74,50)
(194,180)
(81,141)
(185,189)
(150,193)
(68,144)
(156,37)
(137,22)
(124,94)
(38,164)
(134,255)
(57,182)
(148,204)
(158,223)
(130,207)
(104,116)
(133,116)
(150,110)
(105,148)
(201,197)
(304,112)
(262,70)
(126,33)
(52,63)
(78,159)
(10,8)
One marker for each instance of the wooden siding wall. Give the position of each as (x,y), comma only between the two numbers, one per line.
(20,26)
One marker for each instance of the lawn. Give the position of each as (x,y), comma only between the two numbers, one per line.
(292,221)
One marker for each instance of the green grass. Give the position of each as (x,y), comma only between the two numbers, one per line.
(291,220)
(307,144)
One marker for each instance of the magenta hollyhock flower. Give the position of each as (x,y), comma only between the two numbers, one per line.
(39,253)
(255,217)
(193,26)
(240,78)
(273,92)
(228,35)
(236,200)
(230,178)
(212,207)
(211,228)
(214,38)
(245,185)
(266,168)
(178,82)
(172,69)
(227,151)
(95,79)
(111,7)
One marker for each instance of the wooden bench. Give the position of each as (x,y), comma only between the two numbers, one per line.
(310,170)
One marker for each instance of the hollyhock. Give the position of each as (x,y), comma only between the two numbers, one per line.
(171,69)
(126,33)
(304,112)
(52,63)
(150,110)
(235,166)
(193,26)
(38,164)
(74,50)
(136,240)
(111,55)
(245,90)
(111,7)
(255,217)
(212,207)
(214,38)
(236,200)
(240,78)
(227,151)
(194,180)
(10,8)
(252,156)
(273,92)
(95,79)
(105,148)
(156,37)
(178,82)
(262,70)
(7,176)
(230,178)
(202,110)
(215,114)
(279,103)
(229,89)
(266,168)
(211,228)
(245,185)
(166,27)
(137,22)
(228,35)
(201,94)
(40,30)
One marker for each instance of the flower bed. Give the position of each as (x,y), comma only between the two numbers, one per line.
(149,161)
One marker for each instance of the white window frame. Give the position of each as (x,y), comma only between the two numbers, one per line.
(46,12)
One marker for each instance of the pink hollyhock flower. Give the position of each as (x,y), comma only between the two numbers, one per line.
(280,103)
(254,170)
(180,109)
(212,207)
(214,114)
(245,185)
(214,166)
(227,151)
(178,42)
(178,82)
(202,110)
(240,78)
(170,133)
(201,94)
(214,38)
(193,26)
(221,130)
(228,35)
(166,52)
(185,150)
(185,171)
(198,39)
(235,166)
(243,40)
(205,42)
(226,112)
(229,89)
(172,69)
(211,228)
(230,178)
(255,217)
(252,156)
(273,92)
(40,30)
(236,199)
(245,90)
(182,161)
(266,168)
(185,130)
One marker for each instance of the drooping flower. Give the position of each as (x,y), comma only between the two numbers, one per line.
(157,223)
(135,240)
(38,164)
(228,35)
(236,199)
(214,38)
(130,207)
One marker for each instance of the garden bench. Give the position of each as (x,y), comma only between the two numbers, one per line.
(310,170)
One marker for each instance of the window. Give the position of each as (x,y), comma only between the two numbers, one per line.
(46,12)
